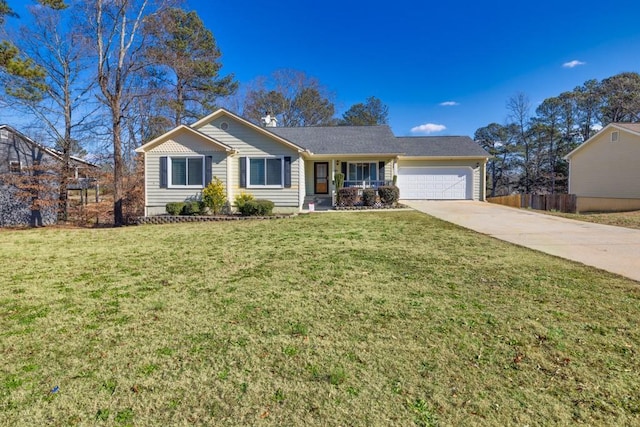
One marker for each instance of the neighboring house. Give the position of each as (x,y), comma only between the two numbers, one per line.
(294,166)
(21,157)
(604,171)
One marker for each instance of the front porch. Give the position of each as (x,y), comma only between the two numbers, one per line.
(358,172)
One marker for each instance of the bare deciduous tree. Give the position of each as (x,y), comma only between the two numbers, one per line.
(118,42)
(54,43)
(293,97)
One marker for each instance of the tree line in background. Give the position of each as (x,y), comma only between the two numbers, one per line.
(122,72)
(529,149)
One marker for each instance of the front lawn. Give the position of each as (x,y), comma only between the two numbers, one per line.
(362,319)
(620,219)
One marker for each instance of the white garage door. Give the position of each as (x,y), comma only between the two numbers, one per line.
(435,183)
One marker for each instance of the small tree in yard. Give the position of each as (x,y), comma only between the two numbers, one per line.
(214,195)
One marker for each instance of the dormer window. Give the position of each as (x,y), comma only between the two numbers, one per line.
(614,136)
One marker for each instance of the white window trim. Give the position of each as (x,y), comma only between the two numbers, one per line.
(264,158)
(170,175)
(361,162)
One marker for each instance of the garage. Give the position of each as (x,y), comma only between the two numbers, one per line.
(435,183)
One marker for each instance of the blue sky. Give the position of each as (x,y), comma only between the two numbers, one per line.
(417,55)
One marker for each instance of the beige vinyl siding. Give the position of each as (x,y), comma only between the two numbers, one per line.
(180,145)
(607,169)
(308,172)
(478,189)
(249,142)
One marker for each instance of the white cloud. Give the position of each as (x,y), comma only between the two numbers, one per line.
(449,104)
(428,128)
(572,64)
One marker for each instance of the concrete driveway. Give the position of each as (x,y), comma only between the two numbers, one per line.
(615,249)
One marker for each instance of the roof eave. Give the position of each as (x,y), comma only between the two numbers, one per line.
(352,155)
(597,134)
(410,157)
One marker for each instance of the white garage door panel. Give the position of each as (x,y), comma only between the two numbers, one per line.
(434,183)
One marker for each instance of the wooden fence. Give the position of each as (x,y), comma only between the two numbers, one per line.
(542,202)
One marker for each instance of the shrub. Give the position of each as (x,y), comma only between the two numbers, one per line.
(240,200)
(259,207)
(348,196)
(175,208)
(389,194)
(339,180)
(214,196)
(193,208)
(369,196)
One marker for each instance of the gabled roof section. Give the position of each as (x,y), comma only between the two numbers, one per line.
(265,131)
(632,128)
(345,140)
(182,128)
(440,146)
(50,151)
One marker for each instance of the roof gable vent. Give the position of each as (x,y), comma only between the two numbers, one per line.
(614,136)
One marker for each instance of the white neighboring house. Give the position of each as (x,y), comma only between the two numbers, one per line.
(604,171)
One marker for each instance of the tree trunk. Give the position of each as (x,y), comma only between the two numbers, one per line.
(118,167)
(65,169)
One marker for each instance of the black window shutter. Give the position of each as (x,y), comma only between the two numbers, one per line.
(163,172)
(243,172)
(380,171)
(208,165)
(287,172)
(343,167)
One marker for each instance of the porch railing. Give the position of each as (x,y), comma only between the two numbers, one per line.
(367,184)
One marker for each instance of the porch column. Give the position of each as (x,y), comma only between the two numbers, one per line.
(229,177)
(332,185)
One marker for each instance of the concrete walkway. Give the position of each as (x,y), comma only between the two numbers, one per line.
(615,249)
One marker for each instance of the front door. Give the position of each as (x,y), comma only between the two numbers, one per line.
(321,177)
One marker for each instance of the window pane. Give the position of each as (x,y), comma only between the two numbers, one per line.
(373,171)
(195,171)
(274,171)
(178,171)
(366,172)
(352,172)
(256,171)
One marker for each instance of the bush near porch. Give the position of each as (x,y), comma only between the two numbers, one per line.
(385,195)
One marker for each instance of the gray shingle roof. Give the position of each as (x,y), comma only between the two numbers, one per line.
(440,146)
(377,140)
(342,139)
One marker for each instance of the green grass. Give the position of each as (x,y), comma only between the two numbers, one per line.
(356,319)
(619,219)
